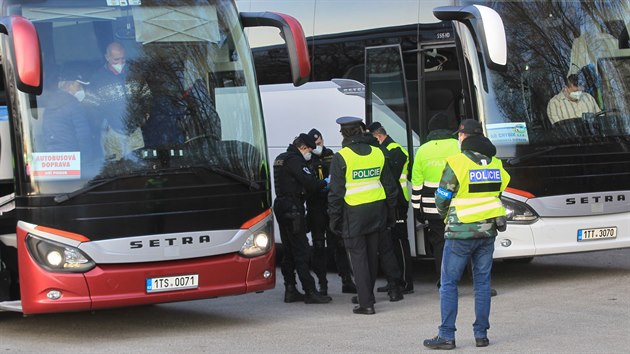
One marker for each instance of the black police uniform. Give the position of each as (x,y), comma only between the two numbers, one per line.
(396,160)
(293,179)
(362,226)
(321,234)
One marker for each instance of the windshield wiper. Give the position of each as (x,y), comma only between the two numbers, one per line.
(101,182)
(224,173)
(516,160)
(91,185)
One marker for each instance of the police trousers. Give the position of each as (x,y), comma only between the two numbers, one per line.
(296,256)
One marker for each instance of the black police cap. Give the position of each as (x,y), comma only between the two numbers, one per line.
(349,121)
(314,134)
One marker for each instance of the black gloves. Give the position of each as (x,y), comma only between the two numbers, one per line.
(391,218)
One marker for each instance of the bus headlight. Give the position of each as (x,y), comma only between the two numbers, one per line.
(57,257)
(256,244)
(518,212)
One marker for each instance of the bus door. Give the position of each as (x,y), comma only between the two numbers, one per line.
(386,102)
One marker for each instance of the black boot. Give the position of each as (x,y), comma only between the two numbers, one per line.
(323,288)
(395,293)
(408,288)
(347,285)
(291,294)
(383,289)
(312,297)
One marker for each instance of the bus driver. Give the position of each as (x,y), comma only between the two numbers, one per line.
(571,102)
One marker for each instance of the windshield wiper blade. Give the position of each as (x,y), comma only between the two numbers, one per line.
(91,185)
(516,160)
(231,175)
(101,182)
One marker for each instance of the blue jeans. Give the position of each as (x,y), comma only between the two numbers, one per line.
(457,255)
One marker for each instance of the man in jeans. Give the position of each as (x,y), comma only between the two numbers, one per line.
(468,198)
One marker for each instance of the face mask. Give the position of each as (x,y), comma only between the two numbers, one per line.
(307,156)
(118,67)
(576,95)
(79,95)
(318,150)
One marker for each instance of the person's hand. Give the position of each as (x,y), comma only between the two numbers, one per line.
(391,218)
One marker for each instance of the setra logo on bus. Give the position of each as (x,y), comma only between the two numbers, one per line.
(366,173)
(171,241)
(596,199)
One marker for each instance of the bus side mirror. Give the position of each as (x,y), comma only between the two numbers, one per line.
(486,25)
(25,52)
(293,34)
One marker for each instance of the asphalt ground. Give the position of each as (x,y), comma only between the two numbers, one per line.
(577,303)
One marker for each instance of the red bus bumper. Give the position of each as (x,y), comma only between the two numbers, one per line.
(118,285)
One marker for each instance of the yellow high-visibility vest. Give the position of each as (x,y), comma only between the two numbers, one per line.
(479,188)
(403,175)
(363,176)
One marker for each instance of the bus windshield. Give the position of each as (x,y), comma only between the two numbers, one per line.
(567,78)
(139,88)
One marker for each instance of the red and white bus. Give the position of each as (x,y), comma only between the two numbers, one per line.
(183,210)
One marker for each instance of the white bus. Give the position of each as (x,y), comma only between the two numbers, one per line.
(570,187)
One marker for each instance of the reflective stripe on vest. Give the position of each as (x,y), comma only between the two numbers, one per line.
(479,188)
(363,176)
(403,176)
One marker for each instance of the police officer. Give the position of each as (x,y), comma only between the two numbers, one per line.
(468,198)
(293,179)
(425,178)
(398,160)
(317,217)
(362,192)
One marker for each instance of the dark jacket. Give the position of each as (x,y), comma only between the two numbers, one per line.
(293,180)
(66,127)
(353,221)
(396,160)
(122,99)
(320,165)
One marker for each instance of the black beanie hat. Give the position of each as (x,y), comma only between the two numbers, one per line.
(439,121)
(308,141)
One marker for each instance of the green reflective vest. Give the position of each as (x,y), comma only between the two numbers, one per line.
(479,188)
(363,176)
(430,161)
(403,175)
